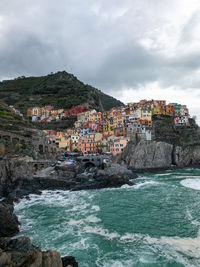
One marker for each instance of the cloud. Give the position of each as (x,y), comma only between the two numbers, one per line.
(114,45)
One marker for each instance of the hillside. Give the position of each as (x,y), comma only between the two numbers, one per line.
(9,121)
(61,90)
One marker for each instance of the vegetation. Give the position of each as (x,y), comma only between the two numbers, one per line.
(57,125)
(61,90)
(9,121)
(166,131)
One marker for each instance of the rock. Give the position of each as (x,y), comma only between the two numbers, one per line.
(119,170)
(8,220)
(18,248)
(187,156)
(150,155)
(22,243)
(103,181)
(51,258)
(5,258)
(21,253)
(32,259)
(69,261)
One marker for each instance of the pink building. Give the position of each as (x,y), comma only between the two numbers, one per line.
(117,146)
(89,146)
(181,121)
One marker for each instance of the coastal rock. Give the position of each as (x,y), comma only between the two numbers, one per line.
(148,155)
(12,170)
(8,220)
(69,261)
(103,181)
(5,258)
(21,253)
(186,156)
(119,170)
(51,258)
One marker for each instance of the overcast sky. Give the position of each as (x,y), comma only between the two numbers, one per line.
(130,49)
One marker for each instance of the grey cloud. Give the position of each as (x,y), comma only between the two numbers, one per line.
(37,37)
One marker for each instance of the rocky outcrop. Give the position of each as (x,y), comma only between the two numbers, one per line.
(12,170)
(185,156)
(8,220)
(148,155)
(19,252)
(160,155)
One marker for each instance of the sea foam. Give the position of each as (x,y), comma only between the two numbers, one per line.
(191,183)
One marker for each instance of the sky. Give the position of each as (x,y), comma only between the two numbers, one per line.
(130,49)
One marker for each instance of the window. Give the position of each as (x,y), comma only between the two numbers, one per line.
(117,149)
(121,145)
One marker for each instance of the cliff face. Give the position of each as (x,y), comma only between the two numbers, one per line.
(146,155)
(160,155)
(186,156)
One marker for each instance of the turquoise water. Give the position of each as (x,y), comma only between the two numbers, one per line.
(154,223)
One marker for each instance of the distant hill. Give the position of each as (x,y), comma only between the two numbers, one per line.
(61,90)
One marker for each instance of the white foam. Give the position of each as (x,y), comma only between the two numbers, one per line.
(115,263)
(191,183)
(172,246)
(96,208)
(147,183)
(75,222)
(126,186)
(101,231)
(163,174)
(92,219)
(191,219)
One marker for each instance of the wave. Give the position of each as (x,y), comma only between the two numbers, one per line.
(101,231)
(172,248)
(191,183)
(163,174)
(147,183)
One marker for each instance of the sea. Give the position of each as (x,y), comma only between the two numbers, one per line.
(154,223)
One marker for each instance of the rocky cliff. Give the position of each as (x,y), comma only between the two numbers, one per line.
(160,155)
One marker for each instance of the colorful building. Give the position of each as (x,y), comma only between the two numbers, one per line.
(118,145)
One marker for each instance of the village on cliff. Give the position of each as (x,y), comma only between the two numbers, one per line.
(109,131)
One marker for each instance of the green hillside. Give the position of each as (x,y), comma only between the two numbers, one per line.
(61,90)
(11,122)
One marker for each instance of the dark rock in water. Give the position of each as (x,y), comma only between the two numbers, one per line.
(8,220)
(69,261)
(103,181)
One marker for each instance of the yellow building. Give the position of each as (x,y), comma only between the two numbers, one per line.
(146,113)
(156,111)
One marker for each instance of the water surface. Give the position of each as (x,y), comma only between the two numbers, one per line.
(155,223)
